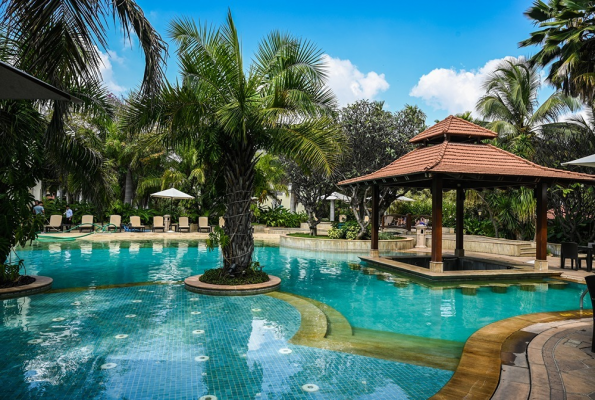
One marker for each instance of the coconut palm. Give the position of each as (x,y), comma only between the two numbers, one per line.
(567,41)
(512,109)
(59,42)
(233,113)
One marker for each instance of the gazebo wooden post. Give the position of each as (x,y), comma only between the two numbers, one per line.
(541,227)
(375,200)
(436,262)
(460,216)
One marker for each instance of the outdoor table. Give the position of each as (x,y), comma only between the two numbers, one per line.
(174,227)
(589,251)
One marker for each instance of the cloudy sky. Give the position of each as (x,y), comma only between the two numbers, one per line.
(434,54)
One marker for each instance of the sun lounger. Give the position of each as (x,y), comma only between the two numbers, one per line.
(183,224)
(203,223)
(136,225)
(86,223)
(158,223)
(55,224)
(115,223)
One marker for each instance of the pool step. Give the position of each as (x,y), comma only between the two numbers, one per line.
(527,251)
(341,336)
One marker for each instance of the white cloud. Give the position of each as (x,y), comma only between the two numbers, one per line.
(452,90)
(350,84)
(107,72)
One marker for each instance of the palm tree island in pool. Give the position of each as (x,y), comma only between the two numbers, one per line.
(232,114)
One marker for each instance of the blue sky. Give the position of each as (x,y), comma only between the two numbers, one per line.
(433,54)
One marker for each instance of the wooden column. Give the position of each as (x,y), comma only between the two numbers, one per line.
(436,223)
(459,252)
(541,227)
(375,199)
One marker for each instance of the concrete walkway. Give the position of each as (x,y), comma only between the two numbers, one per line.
(557,363)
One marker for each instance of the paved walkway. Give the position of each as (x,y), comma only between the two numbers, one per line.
(557,362)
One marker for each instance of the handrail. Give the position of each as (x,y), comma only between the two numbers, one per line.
(583,297)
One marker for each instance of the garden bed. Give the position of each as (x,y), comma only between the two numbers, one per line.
(342,245)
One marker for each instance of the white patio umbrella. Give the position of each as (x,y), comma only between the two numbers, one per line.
(172,194)
(588,161)
(336,196)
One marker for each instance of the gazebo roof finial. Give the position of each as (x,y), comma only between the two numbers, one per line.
(455,129)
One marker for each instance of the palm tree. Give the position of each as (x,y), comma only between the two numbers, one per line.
(232,114)
(511,107)
(58,41)
(567,40)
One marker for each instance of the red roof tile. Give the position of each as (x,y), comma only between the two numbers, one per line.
(454,126)
(467,158)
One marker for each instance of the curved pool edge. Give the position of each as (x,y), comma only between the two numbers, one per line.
(41,284)
(193,284)
(478,373)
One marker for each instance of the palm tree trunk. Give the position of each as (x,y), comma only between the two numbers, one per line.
(239,181)
(128,189)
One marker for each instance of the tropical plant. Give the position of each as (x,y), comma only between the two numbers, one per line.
(512,109)
(58,41)
(232,114)
(377,137)
(567,40)
(311,189)
(278,217)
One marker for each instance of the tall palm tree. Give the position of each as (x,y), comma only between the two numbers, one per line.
(232,113)
(567,40)
(512,109)
(59,41)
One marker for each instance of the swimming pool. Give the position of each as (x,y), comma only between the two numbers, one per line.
(63,358)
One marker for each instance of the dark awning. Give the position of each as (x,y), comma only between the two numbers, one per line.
(18,85)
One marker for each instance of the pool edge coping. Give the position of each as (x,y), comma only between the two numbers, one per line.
(478,373)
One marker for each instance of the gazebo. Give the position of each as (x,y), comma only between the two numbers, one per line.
(453,155)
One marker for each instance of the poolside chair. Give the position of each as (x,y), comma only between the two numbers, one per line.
(55,224)
(115,223)
(86,223)
(221,222)
(183,224)
(570,250)
(203,223)
(158,223)
(136,225)
(342,218)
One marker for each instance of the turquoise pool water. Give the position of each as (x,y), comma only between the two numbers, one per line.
(58,345)
(363,299)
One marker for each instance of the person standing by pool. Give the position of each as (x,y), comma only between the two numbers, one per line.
(68,214)
(38,209)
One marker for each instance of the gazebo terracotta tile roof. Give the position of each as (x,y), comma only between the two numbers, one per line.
(467,159)
(454,126)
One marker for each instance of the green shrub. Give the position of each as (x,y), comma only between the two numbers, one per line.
(336,233)
(251,275)
(279,217)
(10,272)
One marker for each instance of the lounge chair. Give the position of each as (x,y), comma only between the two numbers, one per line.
(221,222)
(55,224)
(203,223)
(135,224)
(158,224)
(86,223)
(115,223)
(183,224)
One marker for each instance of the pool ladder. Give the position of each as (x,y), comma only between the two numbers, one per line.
(583,297)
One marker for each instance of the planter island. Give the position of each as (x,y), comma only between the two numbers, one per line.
(193,284)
